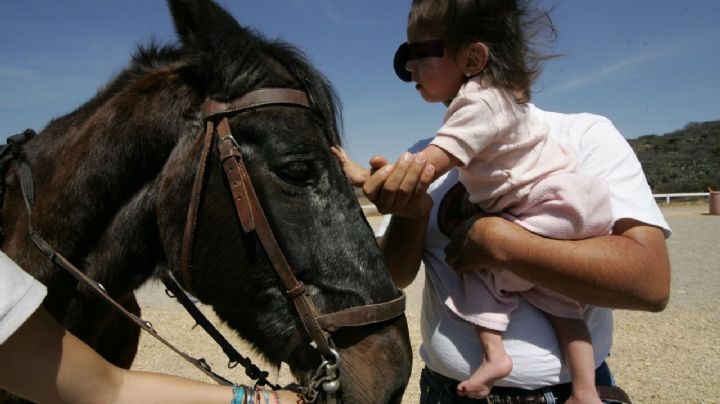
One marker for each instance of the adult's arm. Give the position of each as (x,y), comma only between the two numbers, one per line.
(44,363)
(629,269)
(401,190)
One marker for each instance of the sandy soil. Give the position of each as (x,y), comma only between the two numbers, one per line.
(673,356)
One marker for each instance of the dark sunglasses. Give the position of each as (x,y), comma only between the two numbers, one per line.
(416,50)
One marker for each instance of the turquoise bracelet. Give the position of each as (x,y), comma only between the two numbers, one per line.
(238,395)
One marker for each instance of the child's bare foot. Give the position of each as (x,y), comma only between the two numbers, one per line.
(355,173)
(481,381)
(585,396)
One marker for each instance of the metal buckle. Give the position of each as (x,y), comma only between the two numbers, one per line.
(495,399)
(230,138)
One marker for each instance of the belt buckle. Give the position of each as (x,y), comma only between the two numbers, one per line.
(496,399)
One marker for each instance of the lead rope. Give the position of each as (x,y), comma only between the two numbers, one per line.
(234,357)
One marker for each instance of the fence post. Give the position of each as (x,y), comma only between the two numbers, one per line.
(714,202)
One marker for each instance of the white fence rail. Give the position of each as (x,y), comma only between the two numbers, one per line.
(685,195)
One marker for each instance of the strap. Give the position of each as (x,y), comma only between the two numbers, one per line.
(191,221)
(248,207)
(56,258)
(363,315)
(264,96)
(27,185)
(236,175)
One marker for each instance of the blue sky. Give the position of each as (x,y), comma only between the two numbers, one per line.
(651,66)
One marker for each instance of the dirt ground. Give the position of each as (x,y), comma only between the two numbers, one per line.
(672,356)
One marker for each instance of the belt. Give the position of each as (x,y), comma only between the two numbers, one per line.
(512,395)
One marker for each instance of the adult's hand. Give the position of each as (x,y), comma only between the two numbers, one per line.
(400,189)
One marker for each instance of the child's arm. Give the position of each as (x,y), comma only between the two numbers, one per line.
(441,160)
(357,174)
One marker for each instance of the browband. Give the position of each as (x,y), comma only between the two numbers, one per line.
(264,96)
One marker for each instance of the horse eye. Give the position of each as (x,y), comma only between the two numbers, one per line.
(296,172)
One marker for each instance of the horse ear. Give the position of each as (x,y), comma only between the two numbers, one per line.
(203,26)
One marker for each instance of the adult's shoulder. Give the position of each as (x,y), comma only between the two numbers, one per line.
(602,151)
(591,137)
(575,129)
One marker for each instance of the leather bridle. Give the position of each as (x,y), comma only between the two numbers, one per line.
(253,220)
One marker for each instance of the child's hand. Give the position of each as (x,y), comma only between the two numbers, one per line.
(355,173)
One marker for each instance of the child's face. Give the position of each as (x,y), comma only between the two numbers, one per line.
(438,79)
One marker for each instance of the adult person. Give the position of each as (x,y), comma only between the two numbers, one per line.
(44,363)
(478,59)
(628,269)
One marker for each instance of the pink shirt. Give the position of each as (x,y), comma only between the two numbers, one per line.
(503,146)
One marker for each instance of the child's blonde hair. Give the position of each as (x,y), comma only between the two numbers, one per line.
(509,28)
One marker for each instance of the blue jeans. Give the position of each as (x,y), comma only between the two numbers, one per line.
(436,389)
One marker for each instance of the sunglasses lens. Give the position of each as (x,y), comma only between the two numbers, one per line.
(416,50)
(402,55)
(426,49)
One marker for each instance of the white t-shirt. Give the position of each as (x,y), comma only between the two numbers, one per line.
(20,296)
(450,344)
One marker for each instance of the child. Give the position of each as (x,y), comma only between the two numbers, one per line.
(474,56)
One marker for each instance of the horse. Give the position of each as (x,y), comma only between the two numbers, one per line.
(113,181)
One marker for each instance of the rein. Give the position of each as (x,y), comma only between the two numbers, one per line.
(28,192)
(316,326)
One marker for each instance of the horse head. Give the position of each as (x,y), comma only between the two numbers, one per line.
(309,205)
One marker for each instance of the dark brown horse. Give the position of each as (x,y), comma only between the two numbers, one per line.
(113,184)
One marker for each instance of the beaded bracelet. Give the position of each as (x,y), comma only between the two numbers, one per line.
(239,393)
(246,395)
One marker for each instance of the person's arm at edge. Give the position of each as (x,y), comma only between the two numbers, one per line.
(45,363)
(629,269)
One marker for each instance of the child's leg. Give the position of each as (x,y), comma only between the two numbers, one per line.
(496,365)
(574,337)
